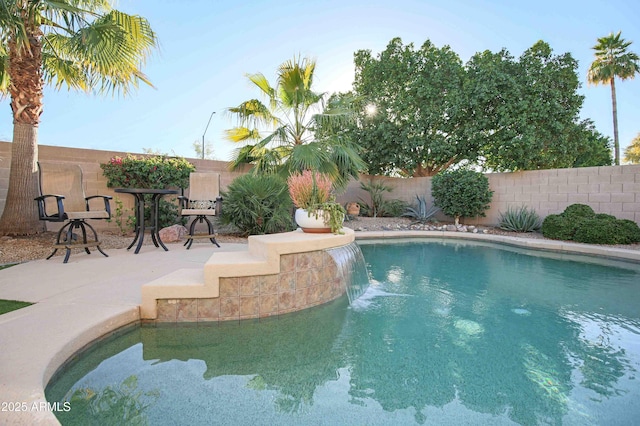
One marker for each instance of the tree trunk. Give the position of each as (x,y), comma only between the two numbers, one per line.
(614,104)
(20,215)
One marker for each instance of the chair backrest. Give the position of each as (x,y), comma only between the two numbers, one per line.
(62,179)
(204,186)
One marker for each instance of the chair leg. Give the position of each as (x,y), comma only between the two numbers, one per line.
(67,230)
(58,239)
(95,238)
(81,224)
(211,231)
(192,230)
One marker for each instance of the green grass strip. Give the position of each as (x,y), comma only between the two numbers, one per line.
(11,305)
(7,265)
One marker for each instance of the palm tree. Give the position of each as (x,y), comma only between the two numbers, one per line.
(297,129)
(81,44)
(632,153)
(613,60)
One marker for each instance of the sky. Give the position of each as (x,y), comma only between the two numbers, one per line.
(207,47)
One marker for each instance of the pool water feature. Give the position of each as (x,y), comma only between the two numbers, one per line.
(352,268)
(448,333)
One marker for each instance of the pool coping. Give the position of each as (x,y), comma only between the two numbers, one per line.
(76,316)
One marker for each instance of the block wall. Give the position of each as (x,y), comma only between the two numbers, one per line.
(95,183)
(614,190)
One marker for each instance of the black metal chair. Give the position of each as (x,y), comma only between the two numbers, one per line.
(204,201)
(61,199)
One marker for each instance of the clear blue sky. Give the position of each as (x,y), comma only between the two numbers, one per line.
(207,47)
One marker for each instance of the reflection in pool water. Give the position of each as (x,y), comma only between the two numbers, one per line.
(449,332)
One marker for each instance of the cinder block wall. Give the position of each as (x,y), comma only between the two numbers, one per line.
(95,183)
(614,190)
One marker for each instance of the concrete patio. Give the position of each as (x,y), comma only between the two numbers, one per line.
(91,296)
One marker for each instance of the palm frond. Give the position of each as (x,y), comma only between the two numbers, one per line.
(241,156)
(612,59)
(4,75)
(66,72)
(348,161)
(241,134)
(254,113)
(109,51)
(311,156)
(263,84)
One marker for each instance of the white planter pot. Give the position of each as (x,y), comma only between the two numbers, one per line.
(311,223)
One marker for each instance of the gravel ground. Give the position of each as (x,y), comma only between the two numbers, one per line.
(22,249)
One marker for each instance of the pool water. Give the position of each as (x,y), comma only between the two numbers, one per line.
(448,333)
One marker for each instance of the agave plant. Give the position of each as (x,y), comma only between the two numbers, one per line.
(422,212)
(521,219)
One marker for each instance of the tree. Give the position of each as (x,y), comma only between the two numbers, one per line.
(613,59)
(209,152)
(296,129)
(461,193)
(81,44)
(410,104)
(594,148)
(632,153)
(523,113)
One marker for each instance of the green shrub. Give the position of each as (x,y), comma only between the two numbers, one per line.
(607,231)
(392,208)
(630,230)
(581,224)
(461,193)
(380,207)
(521,219)
(557,227)
(258,205)
(155,172)
(376,189)
(579,211)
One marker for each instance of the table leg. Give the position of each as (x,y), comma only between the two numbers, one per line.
(155,233)
(139,222)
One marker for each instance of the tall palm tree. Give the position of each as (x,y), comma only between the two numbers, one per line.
(82,44)
(613,60)
(297,128)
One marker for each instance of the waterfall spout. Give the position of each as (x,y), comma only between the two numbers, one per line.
(352,268)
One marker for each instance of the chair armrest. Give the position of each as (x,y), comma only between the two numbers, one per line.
(183,201)
(218,206)
(106,198)
(42,208)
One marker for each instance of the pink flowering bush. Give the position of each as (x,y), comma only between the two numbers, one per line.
(309,189)
(157,172)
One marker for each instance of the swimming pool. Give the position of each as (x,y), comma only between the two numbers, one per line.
(449,333)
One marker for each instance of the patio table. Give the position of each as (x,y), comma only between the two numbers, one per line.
(139,196)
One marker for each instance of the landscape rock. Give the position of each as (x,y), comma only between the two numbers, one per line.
(173,233)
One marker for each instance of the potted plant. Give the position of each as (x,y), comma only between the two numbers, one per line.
(317,211)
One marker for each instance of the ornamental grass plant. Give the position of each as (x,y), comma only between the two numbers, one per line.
(309,189)
(312,191)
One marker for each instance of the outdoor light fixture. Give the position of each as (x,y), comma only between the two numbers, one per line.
(205,132)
